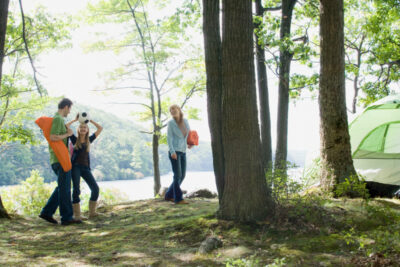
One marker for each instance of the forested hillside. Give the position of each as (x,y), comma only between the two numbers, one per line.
(121,151)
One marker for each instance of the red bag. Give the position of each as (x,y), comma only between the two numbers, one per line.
(193,138)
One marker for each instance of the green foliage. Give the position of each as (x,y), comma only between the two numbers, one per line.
(29,197)
(352,187)
(277,263)
(156,45)
(372,49)
(18,98)
(296,44)
(311,173)
(16,134)
(251,262)
(282,185)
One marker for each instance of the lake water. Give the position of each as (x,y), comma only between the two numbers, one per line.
(143,188)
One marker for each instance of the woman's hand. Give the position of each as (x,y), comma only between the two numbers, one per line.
(174,156)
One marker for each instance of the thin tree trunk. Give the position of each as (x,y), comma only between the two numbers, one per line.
(3,28)
(3,212)
(285,59)
(357,76)
(265,117)
(156,164)
(246,196)
(212,45)
(336,160)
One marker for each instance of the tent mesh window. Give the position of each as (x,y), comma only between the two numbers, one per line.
(381,143)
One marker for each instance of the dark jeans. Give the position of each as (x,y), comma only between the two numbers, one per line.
(79,171)
(61,196)
(179,169)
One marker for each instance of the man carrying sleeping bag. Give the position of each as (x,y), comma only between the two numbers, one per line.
(61,196)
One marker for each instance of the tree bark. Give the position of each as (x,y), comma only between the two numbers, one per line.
(336,160)
(156,165)
(3,212)
(265,117)
(212,48)
(246,196)
(3,28)
(285,59)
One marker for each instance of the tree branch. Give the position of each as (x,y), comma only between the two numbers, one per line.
(277,8)
(130,103)
(120,88)
(27,48)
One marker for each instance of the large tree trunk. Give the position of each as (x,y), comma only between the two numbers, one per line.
(336,160)
(285,58)
(212,45)
(265,117)
(246,196)
(3,28)
(3,212)
(156,164)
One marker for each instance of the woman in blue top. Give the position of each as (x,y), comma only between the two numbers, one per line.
(178,130)
(81,167)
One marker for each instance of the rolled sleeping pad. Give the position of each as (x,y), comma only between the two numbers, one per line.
(59,148)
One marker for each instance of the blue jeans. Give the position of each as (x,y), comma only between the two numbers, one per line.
(79,171)
(179,169)
(61,196)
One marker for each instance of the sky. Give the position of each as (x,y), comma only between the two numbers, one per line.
(75,74)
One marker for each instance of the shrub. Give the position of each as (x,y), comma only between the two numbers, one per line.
(29,197)
(352,187)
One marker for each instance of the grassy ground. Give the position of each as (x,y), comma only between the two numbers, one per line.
(306,232)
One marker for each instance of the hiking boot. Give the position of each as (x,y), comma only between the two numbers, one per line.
(50,219)
(92,209)
(73,221)
(169,199)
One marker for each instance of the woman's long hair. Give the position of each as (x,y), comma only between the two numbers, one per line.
(180,112)
(78,144)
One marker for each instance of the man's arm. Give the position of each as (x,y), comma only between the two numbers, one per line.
(55,137)
(58,129)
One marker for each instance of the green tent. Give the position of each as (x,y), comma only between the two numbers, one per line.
(375,141)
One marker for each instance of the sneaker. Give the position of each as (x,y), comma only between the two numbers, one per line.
(182,202)
(73,221)
(50,219)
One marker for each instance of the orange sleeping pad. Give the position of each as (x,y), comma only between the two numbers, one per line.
(59,148)
(193,138)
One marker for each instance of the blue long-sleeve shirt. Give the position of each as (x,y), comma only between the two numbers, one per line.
(176,140)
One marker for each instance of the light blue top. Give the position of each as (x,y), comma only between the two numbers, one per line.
(176,140)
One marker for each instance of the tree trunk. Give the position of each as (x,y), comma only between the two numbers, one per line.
(265,117)
(246,196)
(3,28)
(212,45)
(3,212)
(156,164)
(285,59)
(336,160)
